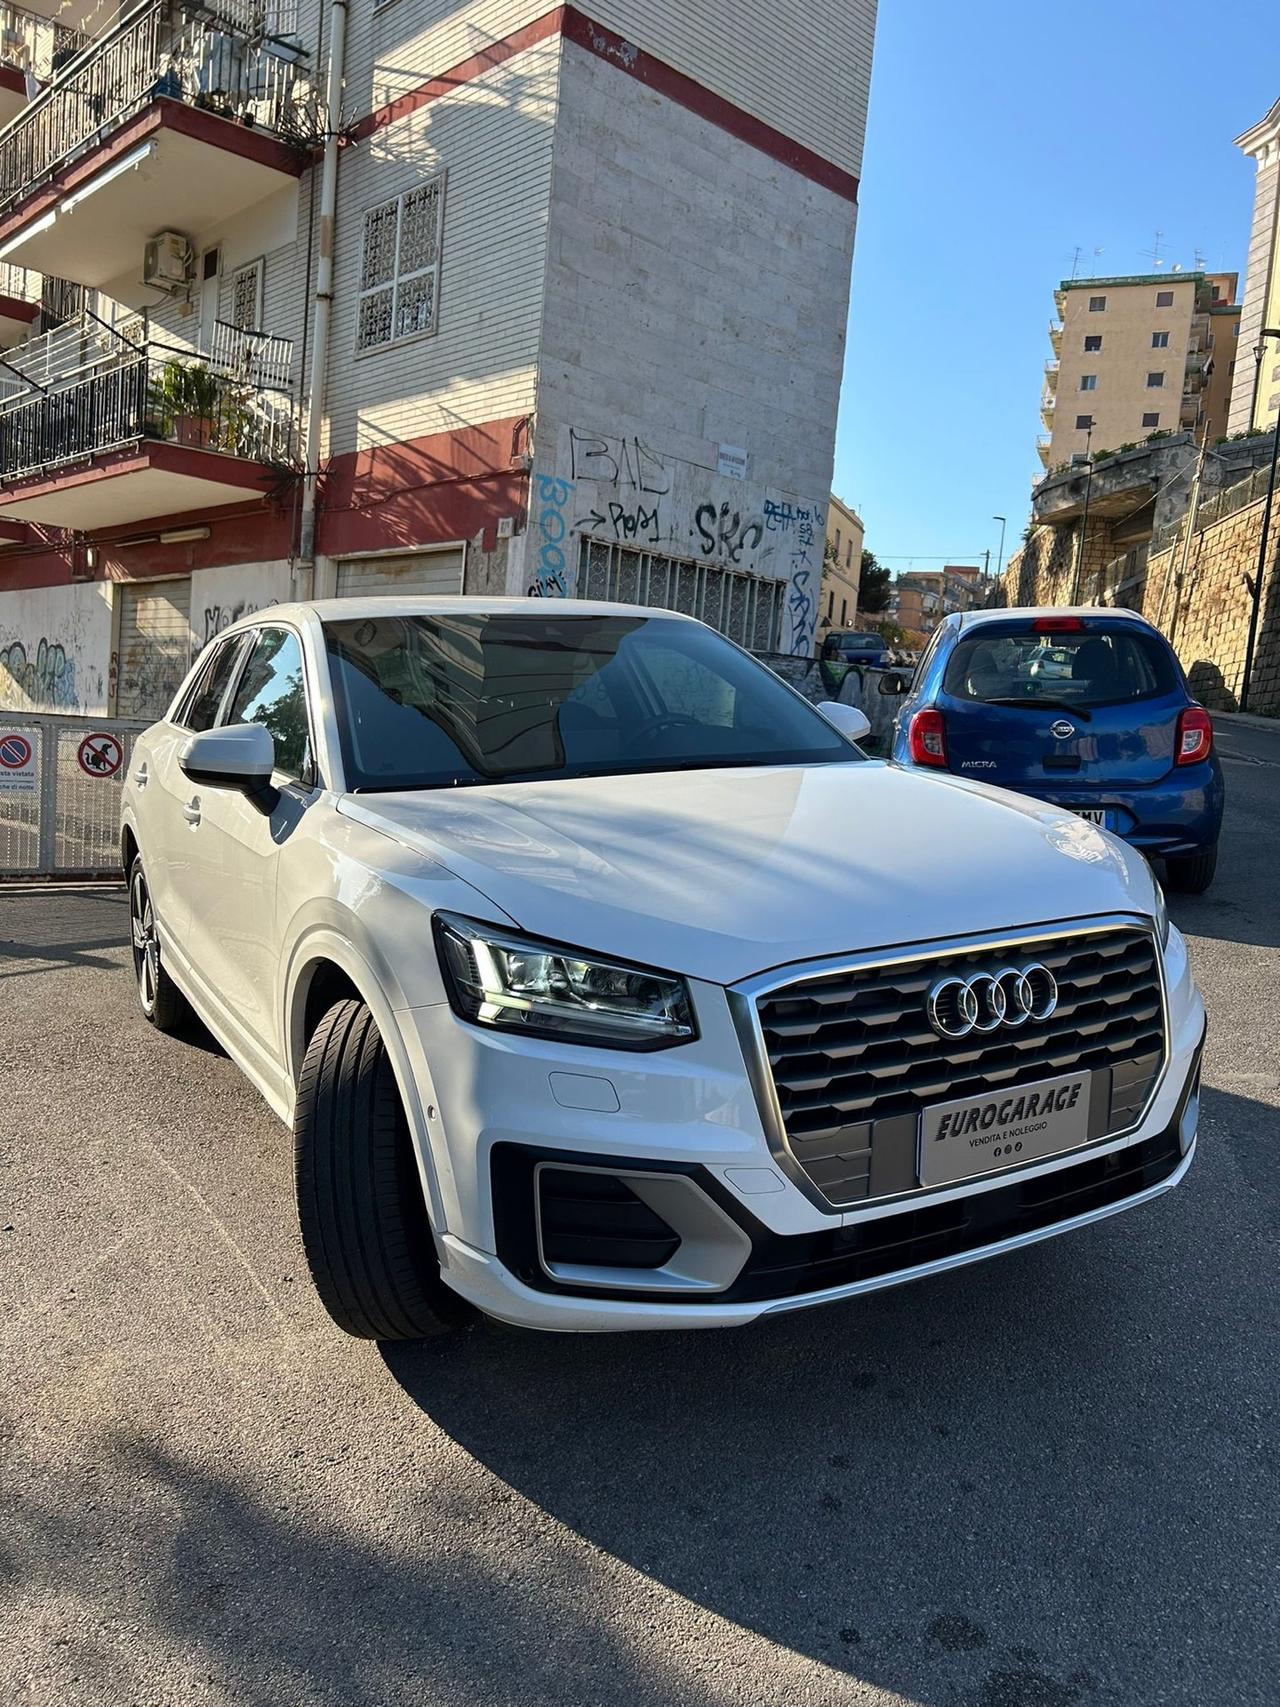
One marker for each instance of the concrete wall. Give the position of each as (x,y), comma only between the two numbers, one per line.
(692,344)
(55,648)
(1261,303)
(220,597)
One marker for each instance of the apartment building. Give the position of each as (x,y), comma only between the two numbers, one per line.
(1255,402)
(922,598)
(841,569)
(1137,355)
(492,297)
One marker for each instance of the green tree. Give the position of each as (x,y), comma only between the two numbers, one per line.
(873,587)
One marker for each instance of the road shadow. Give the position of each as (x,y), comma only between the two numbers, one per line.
(1011,1479)
(48,930)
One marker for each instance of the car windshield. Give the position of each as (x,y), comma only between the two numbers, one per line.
(438,701)
(1084,668)
(859,643)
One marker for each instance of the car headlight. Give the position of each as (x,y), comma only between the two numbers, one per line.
(1161,914)
(515,983)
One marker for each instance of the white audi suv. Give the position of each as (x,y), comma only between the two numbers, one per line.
(606,984)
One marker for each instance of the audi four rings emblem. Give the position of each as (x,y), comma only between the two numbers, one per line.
(987,1001)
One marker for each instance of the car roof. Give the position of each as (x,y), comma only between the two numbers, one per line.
(1034,613)
(408,604)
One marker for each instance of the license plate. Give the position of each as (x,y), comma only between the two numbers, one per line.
(1093,815)
(1003,1128)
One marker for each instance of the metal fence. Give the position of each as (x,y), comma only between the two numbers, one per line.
(60,783)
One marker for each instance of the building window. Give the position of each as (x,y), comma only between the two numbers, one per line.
(1088,382)
(1097,304)
(1164,299)
(1217,293)
(1155,381)
(400,267)
(1159,340)
(1083,423)
(245,310)
(1093,342)
(831,604)
(848,555)
(844,613)
(837,542)
(1151,419)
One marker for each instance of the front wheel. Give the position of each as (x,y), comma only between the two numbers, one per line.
(1193,873)
(360,1206)
(160,999)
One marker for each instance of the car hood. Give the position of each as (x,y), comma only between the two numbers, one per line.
(722,873)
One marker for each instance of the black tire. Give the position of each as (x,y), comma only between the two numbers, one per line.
(162,1002)
(364,1223)
(1192,874)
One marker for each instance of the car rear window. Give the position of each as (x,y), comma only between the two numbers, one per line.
(1094,666)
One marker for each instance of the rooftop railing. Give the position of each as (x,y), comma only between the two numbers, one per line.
(197,56)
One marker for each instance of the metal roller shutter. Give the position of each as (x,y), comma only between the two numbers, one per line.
(155,646)
(414,572)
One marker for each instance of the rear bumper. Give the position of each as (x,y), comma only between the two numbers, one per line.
(1181,815)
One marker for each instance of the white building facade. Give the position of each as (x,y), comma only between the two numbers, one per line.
(575,324)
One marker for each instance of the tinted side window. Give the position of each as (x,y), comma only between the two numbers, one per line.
(201,710)
(272,692)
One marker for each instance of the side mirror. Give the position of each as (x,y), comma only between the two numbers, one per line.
(852,723)
(241,756)
(893,683)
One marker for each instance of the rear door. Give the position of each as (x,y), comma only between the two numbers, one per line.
(1089,703)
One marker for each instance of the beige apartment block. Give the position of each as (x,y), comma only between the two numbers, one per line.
(841,569)
(1138,355)
(1255,402)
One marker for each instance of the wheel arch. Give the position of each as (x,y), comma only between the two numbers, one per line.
(326,967)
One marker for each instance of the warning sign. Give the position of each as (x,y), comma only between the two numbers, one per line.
(100,755)
(17,762)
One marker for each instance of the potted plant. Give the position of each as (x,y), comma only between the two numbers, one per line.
(185,403)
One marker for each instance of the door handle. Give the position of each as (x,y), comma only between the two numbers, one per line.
(191,811)
(140,775)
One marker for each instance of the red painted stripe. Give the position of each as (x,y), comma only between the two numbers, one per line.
(654,73)
(170,459)
(14,308)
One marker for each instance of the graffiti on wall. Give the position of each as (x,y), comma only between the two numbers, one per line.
(551,577)
(44,675)
(804,579)
(220,616)
(725,534)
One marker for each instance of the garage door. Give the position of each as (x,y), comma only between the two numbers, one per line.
(155,646)
(415,572)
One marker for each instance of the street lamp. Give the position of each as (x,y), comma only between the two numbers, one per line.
(1259,573)
(1000,553)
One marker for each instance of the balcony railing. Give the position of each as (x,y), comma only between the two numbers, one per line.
(86,391)
(19,283)
(37,46)
(157,50)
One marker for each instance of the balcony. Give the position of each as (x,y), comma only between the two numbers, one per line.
(33,47)
(1055,336)
(99,430)
(1048,407)
(1051,372)
(1042,449)
(173,119)
(19,305)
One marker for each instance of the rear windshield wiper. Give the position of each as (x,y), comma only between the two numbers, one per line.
(1079,711)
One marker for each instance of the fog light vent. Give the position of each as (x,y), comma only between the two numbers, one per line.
(595,1220)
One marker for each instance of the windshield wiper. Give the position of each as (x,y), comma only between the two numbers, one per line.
(1079,711)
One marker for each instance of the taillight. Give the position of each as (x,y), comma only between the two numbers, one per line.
(1057,625)
(928,738)
(1195,736)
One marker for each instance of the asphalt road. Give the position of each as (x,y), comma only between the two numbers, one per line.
(1046,1481)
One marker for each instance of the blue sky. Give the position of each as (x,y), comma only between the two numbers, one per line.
(993,149)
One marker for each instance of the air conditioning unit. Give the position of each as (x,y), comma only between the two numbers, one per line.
(169,261)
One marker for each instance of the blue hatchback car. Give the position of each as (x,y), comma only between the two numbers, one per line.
(1086,709)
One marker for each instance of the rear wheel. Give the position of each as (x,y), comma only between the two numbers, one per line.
(1192,874)
(160,999)
(364,1223)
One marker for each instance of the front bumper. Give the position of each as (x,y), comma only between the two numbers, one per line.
(499,1106)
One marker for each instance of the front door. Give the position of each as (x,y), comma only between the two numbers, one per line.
(232,934)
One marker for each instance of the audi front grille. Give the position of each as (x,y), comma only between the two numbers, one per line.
(854,1058)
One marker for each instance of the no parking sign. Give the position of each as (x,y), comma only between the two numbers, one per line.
(100,755)
(17,762)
